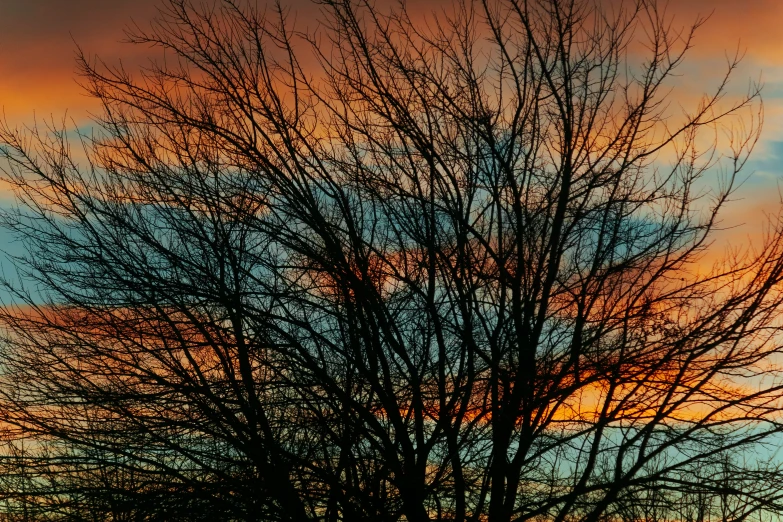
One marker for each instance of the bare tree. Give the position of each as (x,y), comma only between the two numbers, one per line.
(452,272)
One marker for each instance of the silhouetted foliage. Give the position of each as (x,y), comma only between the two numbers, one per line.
(449,270)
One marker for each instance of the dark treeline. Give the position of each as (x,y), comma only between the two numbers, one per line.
(450,269)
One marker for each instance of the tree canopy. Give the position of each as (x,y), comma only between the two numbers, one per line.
(391,270)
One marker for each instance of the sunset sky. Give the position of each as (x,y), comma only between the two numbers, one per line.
(400,305)
(39,38)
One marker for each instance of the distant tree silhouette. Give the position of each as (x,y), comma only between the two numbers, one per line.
(448,270)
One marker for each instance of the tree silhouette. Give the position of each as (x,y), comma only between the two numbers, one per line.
(446,271)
